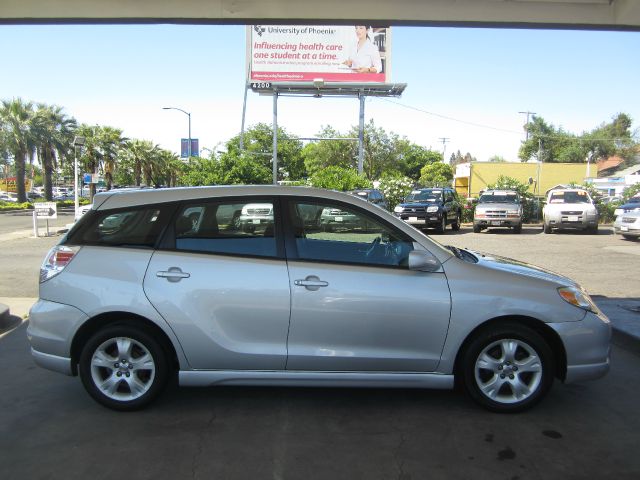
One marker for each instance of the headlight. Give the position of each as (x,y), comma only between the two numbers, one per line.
(618,211)
(578,298)
(432,209)
(398,209)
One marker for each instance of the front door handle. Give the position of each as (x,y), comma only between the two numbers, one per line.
(312,283)
(174,274)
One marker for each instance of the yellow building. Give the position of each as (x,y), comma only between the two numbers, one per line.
(471,178)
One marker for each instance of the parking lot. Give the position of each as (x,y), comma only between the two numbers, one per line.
(50,428)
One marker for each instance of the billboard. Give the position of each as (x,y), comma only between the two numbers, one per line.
(304,53)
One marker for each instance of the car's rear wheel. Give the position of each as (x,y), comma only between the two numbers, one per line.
(508,368)
(123,367)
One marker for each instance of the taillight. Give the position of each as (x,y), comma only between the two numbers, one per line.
(56,260)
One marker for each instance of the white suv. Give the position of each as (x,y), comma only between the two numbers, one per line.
(155,284)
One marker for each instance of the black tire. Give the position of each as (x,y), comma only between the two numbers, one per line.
(477,229)
(593,230)
(547,228)
(105,347)
(455,226)
(509,368)
(443,224)
(517,228)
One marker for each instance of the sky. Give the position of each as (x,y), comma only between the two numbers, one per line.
(464,84)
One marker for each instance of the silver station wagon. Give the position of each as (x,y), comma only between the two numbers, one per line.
(154,285)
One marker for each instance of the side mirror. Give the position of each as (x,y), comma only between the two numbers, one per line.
(423,261)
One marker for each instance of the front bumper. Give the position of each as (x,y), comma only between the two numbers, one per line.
(587,346)
(630,230)
(421,219)
(497,222)
(578,222)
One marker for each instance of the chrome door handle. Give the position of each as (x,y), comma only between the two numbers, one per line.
(311,283)
(174,274)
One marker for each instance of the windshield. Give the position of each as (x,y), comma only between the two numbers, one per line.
(569,197)
(424,196)
(499,198)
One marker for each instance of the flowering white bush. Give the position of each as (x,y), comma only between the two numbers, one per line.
(395,188)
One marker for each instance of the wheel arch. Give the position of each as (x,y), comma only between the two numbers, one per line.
(93,325)
(547,333)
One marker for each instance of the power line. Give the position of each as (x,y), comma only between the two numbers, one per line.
(569,137)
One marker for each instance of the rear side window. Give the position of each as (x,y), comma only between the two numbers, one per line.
(133,227)
(236,228)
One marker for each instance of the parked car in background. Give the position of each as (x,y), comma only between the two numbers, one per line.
(627,224)
(431,208)
(631,205)
(570,208)
(8,196)
(129,299)
(498,208)
(371,195)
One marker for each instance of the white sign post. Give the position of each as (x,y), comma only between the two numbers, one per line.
(46,211)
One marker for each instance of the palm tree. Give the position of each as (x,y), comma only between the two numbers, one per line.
(16,124)
(54,131)
(141,153)
(111,142)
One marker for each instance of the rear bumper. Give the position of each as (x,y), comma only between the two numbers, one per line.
(52,362)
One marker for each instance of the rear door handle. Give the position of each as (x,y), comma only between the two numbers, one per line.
(311,283)
(174,274)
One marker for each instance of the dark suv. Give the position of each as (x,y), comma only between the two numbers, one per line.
(371,195)
(431,208)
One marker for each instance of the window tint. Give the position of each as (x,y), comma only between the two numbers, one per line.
(245,228)
(337,233)
(135,227)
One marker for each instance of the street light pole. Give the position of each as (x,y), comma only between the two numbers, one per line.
(78,141)
(188,115)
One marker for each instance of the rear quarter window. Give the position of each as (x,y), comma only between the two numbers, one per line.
(132,227)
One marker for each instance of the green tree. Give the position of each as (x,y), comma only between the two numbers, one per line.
(18,137)
(436,175)
(202,171)
(258,148)
(339,178)
(335,150)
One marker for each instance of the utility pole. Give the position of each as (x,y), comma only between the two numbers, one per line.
(528,114)
(444,141)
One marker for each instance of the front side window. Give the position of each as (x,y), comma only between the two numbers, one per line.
(240,228)
(340,233)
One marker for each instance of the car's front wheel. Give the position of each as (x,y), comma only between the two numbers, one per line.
(508,368)
(123,367)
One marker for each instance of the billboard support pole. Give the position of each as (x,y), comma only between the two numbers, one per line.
(244,112)
(275,137)
(361,135)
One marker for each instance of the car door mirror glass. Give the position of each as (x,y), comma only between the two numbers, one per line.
(423,261)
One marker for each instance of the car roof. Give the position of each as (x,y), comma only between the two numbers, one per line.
(134,197)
